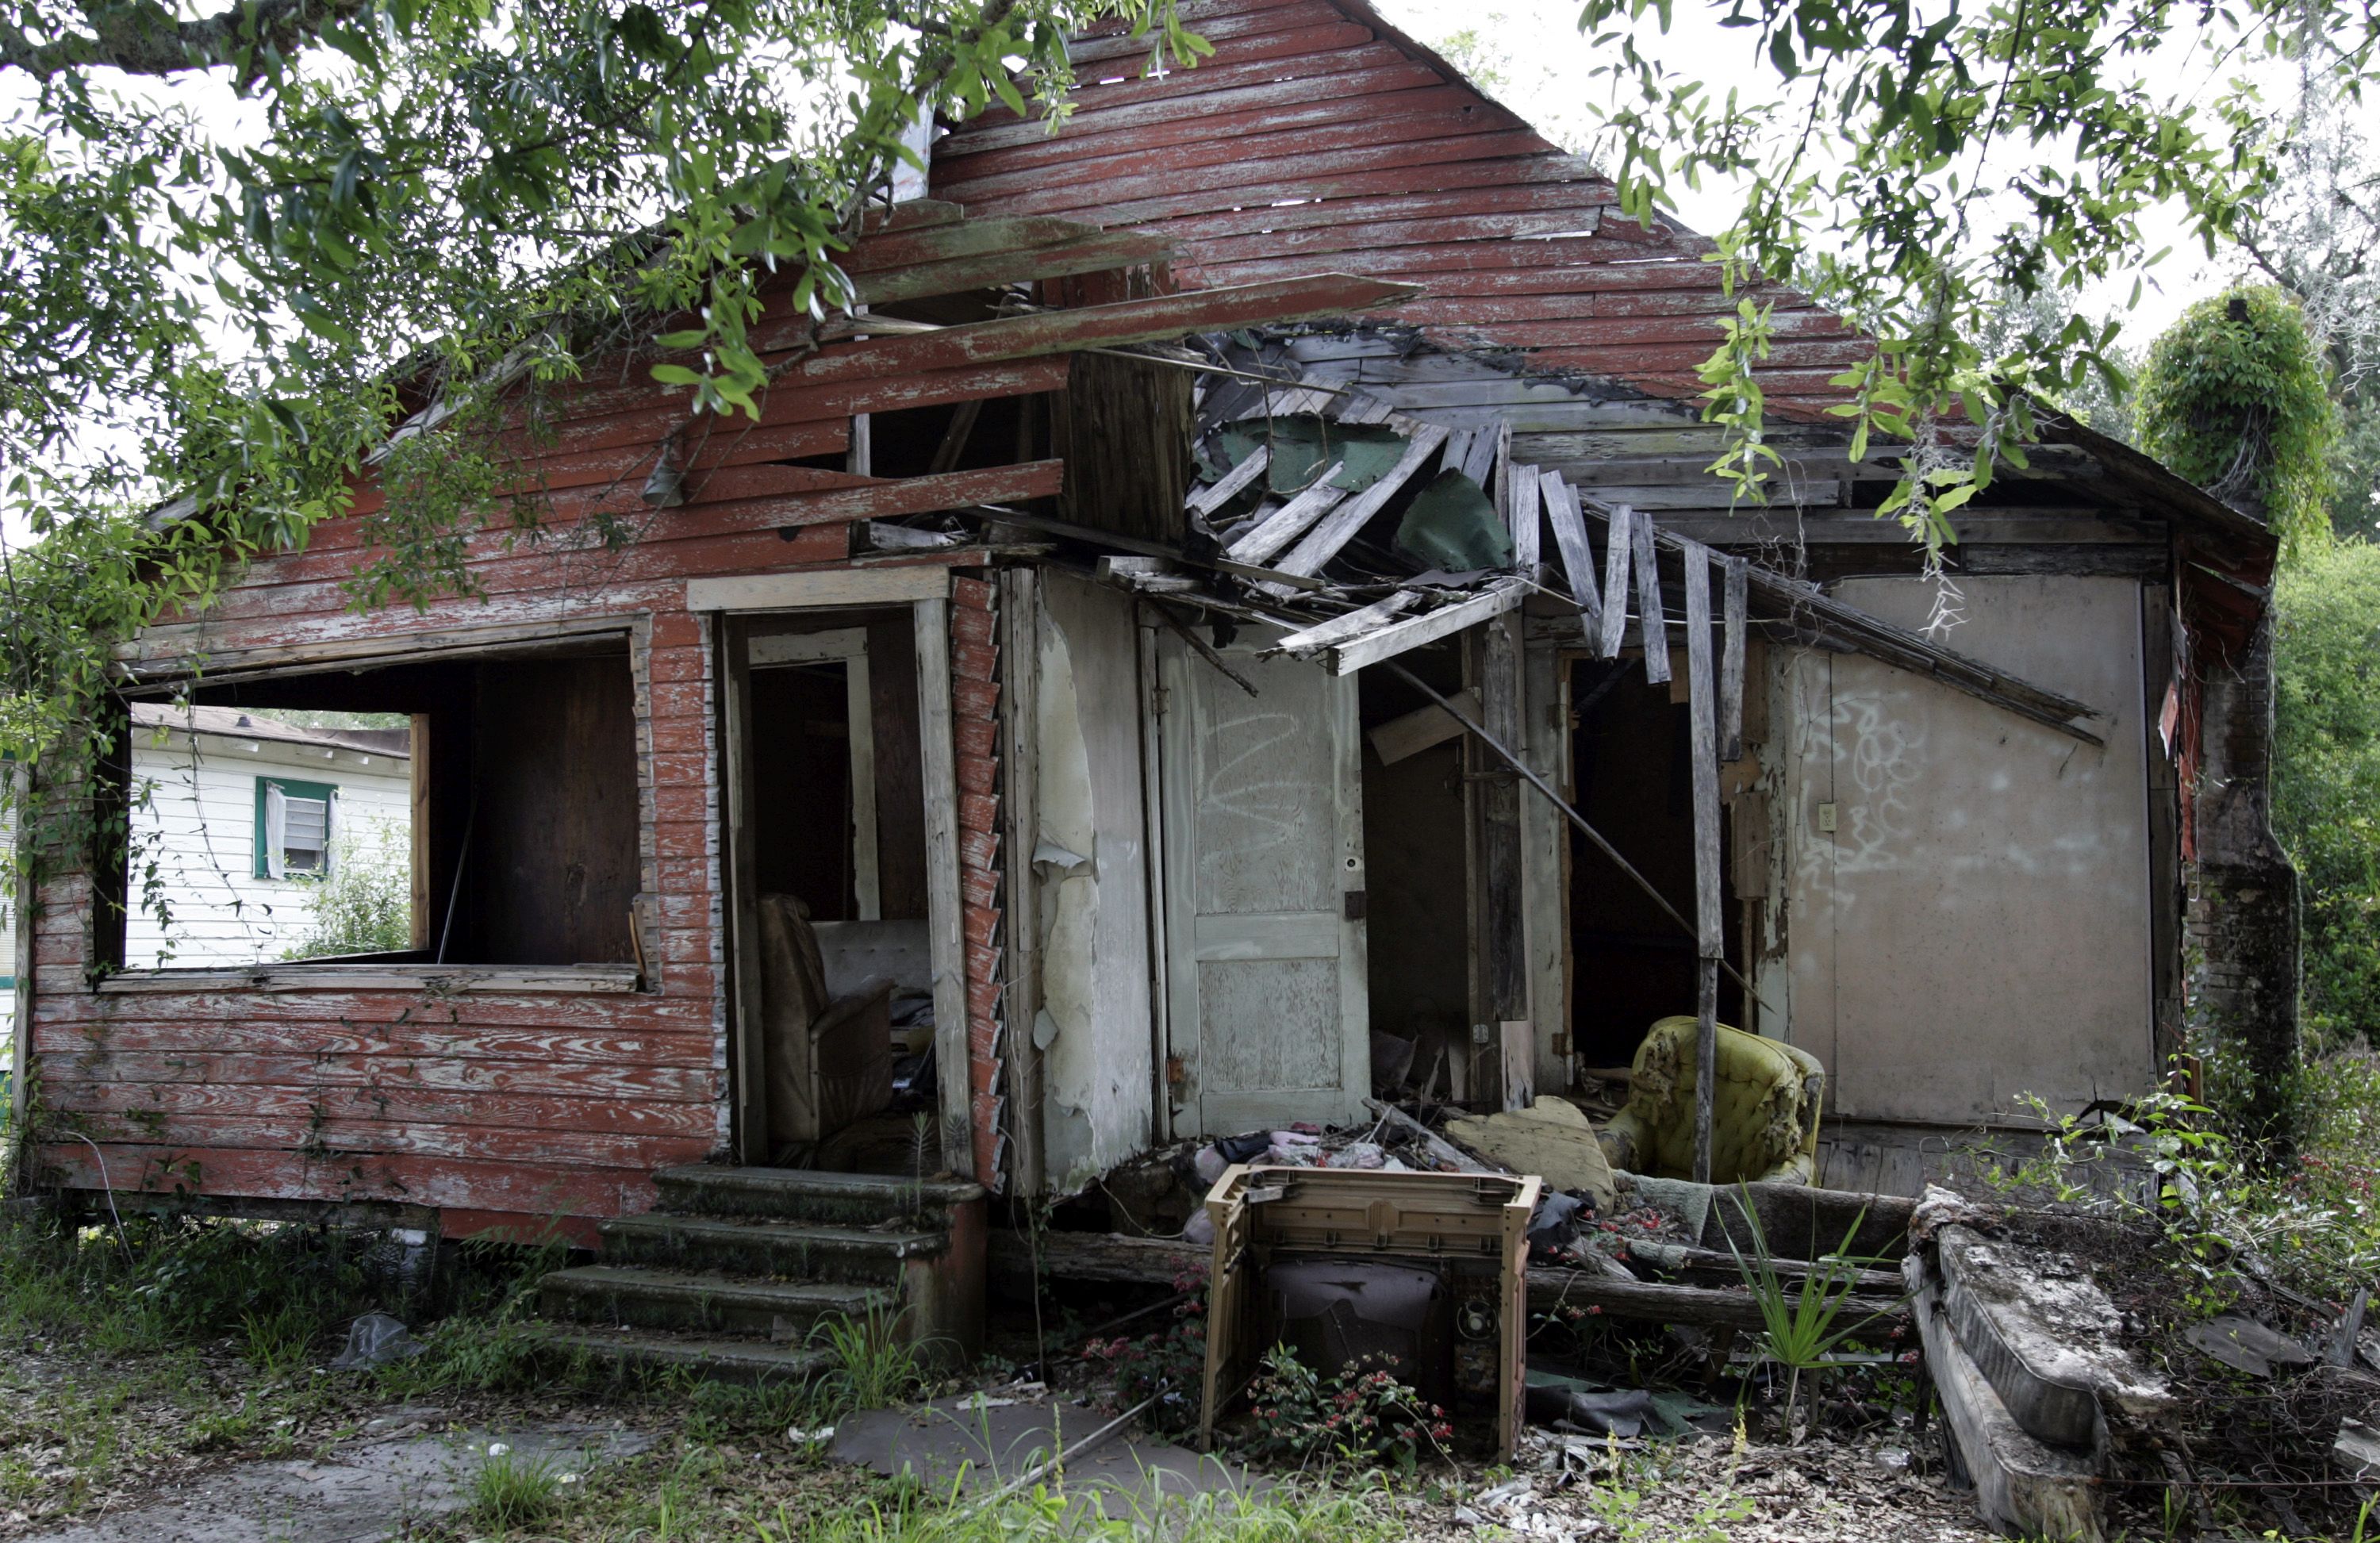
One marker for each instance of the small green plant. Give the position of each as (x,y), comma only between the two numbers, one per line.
(1804,1321)
(280,1341)
(1363,1415)
(511,1490)
(874,1364)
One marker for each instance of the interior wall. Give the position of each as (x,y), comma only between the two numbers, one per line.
(1094,1025)
(801,787)
(900,770)
(553,864)
(1977,924)
(1416,958)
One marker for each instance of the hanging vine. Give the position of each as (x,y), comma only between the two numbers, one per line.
(2235,399)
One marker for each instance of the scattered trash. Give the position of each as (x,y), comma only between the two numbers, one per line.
(1551,1138)
(1207,1165)
(1242,1149)
(375,1340)
(1555,1223)
(1893,1460)
(1621,1414)
(1357,1154)
(796,1436)
(1199,1230)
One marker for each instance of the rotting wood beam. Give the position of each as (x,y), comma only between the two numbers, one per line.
(913,495)
(1270,532)
(1143,321)
(1578,558)
(1819,618)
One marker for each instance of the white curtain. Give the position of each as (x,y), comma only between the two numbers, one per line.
(276,831)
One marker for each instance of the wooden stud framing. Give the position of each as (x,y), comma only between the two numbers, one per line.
(1710,928)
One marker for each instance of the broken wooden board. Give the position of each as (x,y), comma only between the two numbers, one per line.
(1418,730)
(2243,1344)
(2046,1336)
(1351,654)
(1550,1138)
(2024,1488)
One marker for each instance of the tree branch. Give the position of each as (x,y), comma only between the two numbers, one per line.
(142,37)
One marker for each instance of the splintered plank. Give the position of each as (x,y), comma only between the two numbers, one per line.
(1521,517)
(1345,658)
(1207,500)
(1620,541)
(1144,321)
(1353,624)
(1326,539)
(1273,531)
(1578,558)
(1734,603)
(1652,625)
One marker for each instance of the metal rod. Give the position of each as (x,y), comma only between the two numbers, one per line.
(454,889)
(1205,650)
(1589,831)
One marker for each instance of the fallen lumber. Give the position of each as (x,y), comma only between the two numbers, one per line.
(1108,1257)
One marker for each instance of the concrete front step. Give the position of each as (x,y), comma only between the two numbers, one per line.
(696,1301)
(845,1255)
(654,1349)
(805,1195)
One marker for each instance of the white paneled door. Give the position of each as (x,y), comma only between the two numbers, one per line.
(1264,848)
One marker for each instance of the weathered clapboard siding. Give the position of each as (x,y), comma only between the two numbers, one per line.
(199,827)
(497,1098)
(1317,135)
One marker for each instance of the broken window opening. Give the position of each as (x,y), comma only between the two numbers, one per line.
(438,811)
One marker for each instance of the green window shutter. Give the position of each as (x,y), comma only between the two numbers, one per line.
(303,828)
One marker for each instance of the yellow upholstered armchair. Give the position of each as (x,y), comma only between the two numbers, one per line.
(1764,1119)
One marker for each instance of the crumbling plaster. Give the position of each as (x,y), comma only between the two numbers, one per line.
(1089,858)
(1976,926)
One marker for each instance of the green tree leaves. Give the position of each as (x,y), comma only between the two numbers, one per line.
(2234,397)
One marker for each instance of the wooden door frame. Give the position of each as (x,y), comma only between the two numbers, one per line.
(734,604)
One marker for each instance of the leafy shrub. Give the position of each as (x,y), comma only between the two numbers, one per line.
(1169,1364)
(2326,781)
(1363,1414)
(364,905)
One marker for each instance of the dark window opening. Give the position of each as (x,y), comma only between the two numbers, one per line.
(474,810)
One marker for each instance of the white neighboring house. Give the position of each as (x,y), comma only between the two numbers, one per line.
(245,814)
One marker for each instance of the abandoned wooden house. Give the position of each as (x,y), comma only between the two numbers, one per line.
(1075,717)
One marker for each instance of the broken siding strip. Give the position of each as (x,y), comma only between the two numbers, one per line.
(1578,558)
(1521,521)
(1619,540)
(1652,625)
(1733,605)
(1353,624)
(1207,500)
